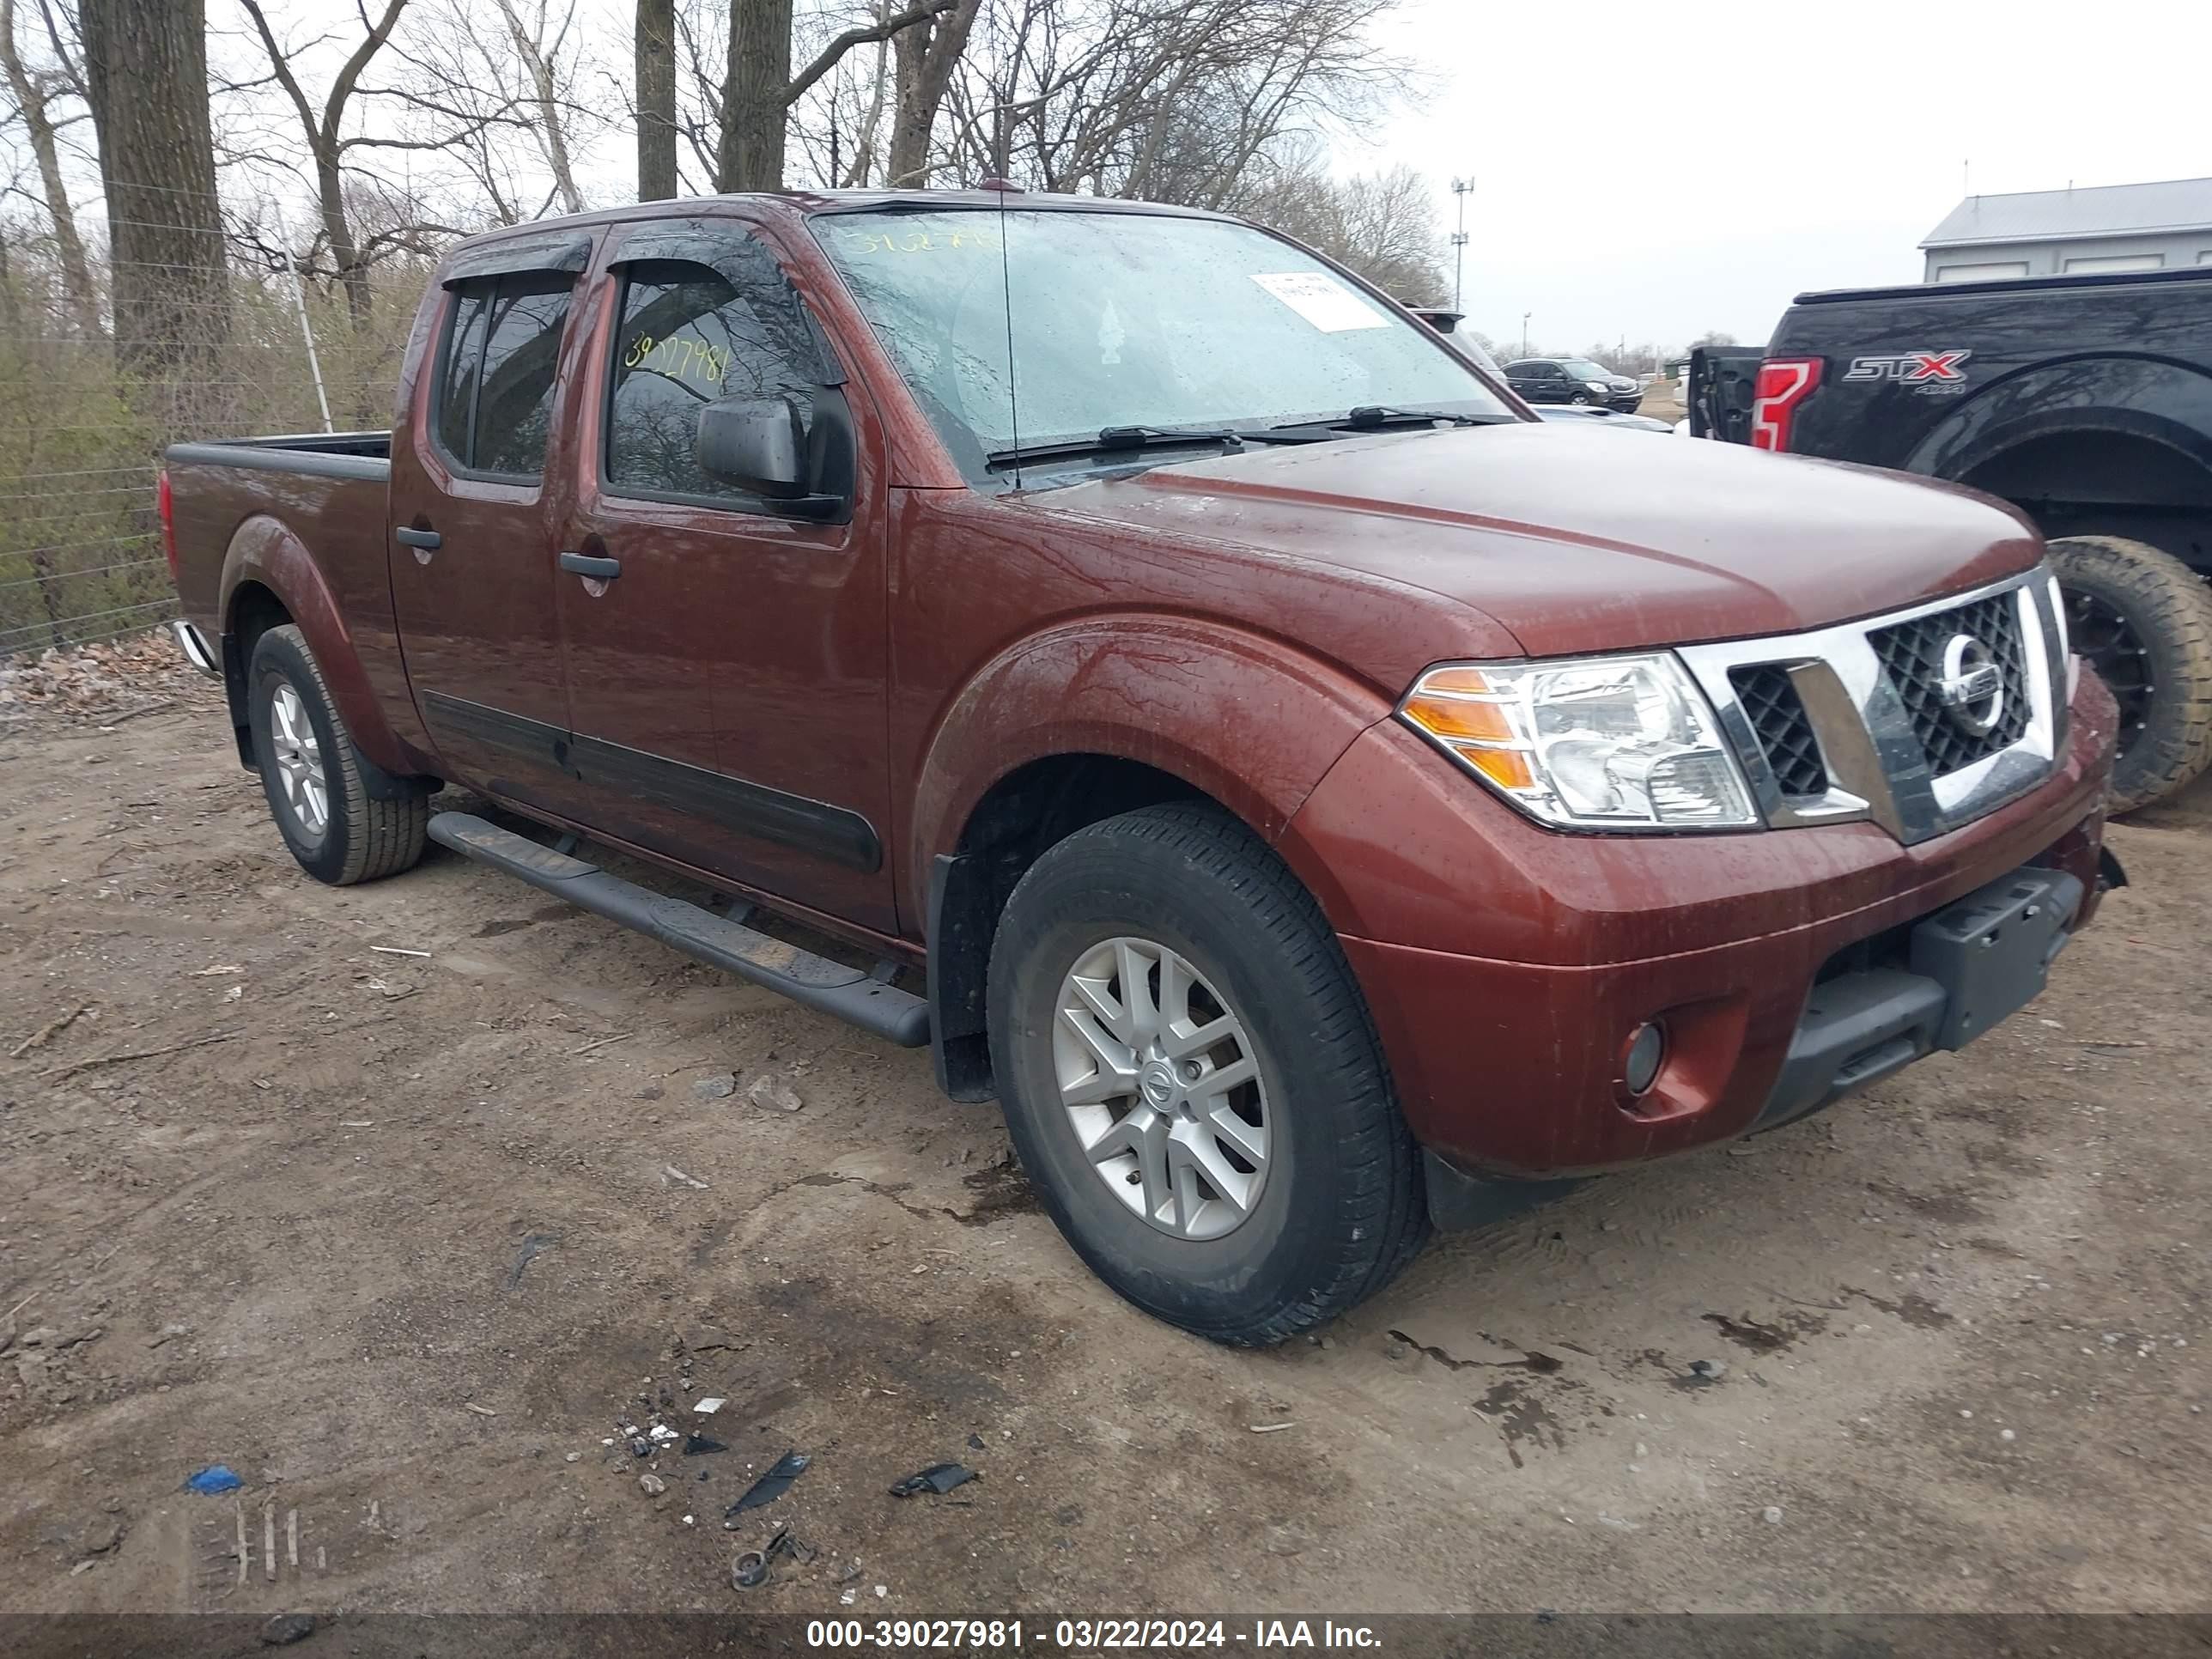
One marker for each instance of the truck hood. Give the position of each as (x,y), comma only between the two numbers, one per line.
(1573,545)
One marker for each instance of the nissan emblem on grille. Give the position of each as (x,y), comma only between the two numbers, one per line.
(1972,687)
(1922,720)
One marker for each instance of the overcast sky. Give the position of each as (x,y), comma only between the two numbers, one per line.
(1661,169)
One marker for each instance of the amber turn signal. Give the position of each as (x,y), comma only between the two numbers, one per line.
(1458,717)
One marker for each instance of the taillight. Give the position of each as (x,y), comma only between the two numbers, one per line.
(166,505)
(1782,384)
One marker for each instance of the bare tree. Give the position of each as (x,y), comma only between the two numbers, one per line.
(488,74)
(655,46)
(541,47)
(1382,225)
(1179,101)
(928,54)
(758,86)
(333,132)
(857,171)
(37,92)
(145,71)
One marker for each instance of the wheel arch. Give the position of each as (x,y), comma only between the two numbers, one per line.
(252,610)
(2078,442)
(1101,715)
(1027,809)
(2139,479)
(270,578)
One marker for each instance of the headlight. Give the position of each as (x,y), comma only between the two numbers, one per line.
(1589,743)
(1597,385)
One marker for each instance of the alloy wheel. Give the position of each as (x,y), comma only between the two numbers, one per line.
(1163,1088)
(299,756)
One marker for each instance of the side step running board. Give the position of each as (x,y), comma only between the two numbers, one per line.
(832,987)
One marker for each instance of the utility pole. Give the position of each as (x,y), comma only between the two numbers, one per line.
(1525,316)
(1462,188)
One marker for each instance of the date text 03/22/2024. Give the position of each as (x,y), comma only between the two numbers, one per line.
(1086,1635)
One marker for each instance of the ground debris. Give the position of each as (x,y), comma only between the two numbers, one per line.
(76,1066)
(773,1484)
(938,1478)
(775,1093)
(53,1029)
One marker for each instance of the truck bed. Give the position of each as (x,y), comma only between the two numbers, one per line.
(362,455)
(2018,287)
(308,516)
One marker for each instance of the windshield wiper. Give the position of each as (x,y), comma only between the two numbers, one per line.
(1119,440)
(1380,418)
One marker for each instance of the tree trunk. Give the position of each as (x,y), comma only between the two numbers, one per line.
(872,124)
(146,74)
(337,230)
(552,133)
(753,98)
(326,141)
(656,100)
(35,101)
(927,54)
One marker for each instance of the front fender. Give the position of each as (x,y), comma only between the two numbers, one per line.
(1252,722)
(264,550)
(2143,396)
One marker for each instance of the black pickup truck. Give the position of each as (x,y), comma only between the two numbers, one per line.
(2085,401)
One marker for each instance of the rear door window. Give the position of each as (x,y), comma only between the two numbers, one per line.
(496,386)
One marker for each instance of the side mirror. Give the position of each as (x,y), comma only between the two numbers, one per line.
(757,444)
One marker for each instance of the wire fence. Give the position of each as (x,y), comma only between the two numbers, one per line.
(83,422)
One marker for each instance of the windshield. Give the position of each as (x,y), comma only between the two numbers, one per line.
(1126,320)
(1582,368)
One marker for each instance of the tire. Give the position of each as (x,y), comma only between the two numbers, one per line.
(371,823)
(2144,620)
(1581,399)
(1339,1207)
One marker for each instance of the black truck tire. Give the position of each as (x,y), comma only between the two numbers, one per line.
(1186,903)
(2143,619)
(343,818)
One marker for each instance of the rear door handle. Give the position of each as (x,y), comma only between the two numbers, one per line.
(583,564)
(429,540)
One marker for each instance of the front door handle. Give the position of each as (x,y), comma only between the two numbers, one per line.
(407,536)
(583,564)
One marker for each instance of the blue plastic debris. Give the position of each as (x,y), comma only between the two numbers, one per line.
(213,1478)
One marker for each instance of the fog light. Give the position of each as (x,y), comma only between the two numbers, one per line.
(1645,1050)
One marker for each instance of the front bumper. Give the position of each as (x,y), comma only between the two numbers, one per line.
(1947,980)
(1507,967)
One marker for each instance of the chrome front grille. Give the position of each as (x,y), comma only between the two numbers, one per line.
(1781,727)
(1898,717)
(1912,655)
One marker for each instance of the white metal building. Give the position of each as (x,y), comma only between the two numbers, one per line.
(2045,232)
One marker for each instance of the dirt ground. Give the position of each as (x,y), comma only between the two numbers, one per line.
(402,1240)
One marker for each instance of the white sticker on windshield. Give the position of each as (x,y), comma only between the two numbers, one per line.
(1321,301)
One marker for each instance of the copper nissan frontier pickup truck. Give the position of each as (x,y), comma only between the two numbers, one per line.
(1130,655)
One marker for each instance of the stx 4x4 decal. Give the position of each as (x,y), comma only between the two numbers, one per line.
(1935,372)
